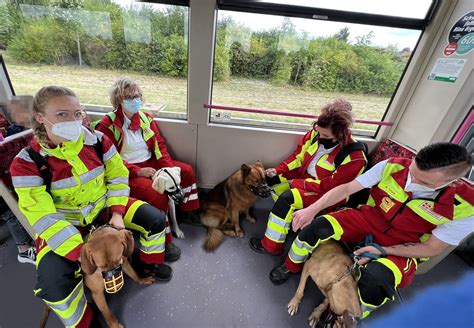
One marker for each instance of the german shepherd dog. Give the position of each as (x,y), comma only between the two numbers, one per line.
(222,205)
(331,270)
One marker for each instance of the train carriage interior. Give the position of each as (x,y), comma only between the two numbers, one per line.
(230,82)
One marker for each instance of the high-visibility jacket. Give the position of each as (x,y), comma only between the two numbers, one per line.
(417,217)
(112,125)
(328,175)
(80,188)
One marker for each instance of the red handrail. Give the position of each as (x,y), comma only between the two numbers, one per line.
(272,112)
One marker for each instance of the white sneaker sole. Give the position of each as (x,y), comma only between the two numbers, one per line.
(25,260)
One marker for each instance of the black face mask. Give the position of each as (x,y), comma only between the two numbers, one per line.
(327,143)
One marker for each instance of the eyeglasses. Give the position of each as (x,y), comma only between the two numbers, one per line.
(64,115)
(132,97)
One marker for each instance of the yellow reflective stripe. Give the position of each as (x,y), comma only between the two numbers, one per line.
(127,218)
(311,180)
(307,147)
(424,209)
(371,201)
(75,305)
(300,250)
(298,203)
(280,228)
(396,271)
(323,163)
(153,241)
(463,210)
(367,308)
(45,250)
(281,187)
(338,231)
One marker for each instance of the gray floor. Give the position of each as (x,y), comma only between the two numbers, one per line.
(230,288)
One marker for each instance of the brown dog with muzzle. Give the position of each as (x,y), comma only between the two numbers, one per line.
(103,257)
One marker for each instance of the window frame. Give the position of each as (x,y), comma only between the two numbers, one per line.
(265,8)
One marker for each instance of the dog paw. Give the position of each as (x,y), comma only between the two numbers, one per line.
(293,307)
(313,320)
(179,234)
(251,219)
(146,281)
(240,234)
(115,324)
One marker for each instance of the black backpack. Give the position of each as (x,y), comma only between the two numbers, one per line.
(44,168)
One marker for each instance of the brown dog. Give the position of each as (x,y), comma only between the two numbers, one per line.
(222,206)
(329,266)
(107,249)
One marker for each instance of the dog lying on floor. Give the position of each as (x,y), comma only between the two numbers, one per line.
(168,180)
(330,268)
(222,205)
(102,258)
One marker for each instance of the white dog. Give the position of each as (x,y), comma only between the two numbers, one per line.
(168,179)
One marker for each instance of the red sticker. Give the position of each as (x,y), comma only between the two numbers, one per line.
(450,48)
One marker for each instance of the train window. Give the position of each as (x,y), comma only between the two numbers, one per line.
(276,66)
(88,45)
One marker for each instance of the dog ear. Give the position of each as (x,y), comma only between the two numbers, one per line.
(127,242)
(87,262)
(259,163)
(245,169)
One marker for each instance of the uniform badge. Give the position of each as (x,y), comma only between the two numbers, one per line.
(386,204)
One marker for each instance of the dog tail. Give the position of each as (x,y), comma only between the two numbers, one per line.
(213,239)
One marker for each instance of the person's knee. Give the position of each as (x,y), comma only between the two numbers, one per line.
(150,218)
(376,284)
(286,197)
(319,228)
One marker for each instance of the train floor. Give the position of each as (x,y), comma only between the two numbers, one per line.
(231,288)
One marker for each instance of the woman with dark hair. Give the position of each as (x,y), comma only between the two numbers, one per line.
(310,171)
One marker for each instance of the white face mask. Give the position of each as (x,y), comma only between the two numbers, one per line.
(416,187)
(69,130)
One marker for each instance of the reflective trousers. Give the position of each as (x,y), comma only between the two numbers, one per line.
(60,283)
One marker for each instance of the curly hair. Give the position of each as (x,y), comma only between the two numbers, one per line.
(117,91)
(337,116)
(40,101)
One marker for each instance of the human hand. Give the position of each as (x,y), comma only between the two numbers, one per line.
(146,172)
(117,221)
(366,249)
(271,172)
(302,218)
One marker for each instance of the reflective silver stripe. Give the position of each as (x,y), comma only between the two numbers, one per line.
(168,229)
(27,181)
(67,301)
(111,152)
(275,236)
(299,258)
(157,247)
(279,221)
(80,307)
(85,210)
(61,236)
(188,189)
(46,221)
(190,198)
(117,181)
(63,183)
(23,154)
(92,174)
(120,192)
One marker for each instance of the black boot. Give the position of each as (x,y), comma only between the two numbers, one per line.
(172,252)
(256,246)
(280,275)
(161,272)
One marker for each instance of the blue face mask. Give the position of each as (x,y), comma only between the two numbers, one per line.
(132,106)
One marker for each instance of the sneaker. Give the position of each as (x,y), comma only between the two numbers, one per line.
(280,275)
(256,246)
(161,272)
(28,256)
(172,252)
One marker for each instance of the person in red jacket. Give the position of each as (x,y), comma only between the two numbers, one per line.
(310,171)
(143,149)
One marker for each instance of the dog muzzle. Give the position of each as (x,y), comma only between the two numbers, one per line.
(113,280)
(262,190)
(177,195)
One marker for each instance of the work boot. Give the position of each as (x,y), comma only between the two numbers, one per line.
(280,275)
(161,272)
(256,246)
(172,252)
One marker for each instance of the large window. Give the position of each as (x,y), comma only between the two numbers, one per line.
(296,65)
(87,45)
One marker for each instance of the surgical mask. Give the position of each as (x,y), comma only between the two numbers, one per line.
(113,280)
(416,187)
(69,130)
(327,143)
(132,106)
